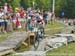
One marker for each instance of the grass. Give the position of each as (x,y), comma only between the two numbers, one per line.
(51,32)
(68,50)
(4,36)
(23,48)
(55,24)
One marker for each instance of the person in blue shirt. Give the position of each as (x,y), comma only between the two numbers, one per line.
(62,13)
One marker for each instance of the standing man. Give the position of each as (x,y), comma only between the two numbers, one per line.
(49,17)
(62,13)
(45,16)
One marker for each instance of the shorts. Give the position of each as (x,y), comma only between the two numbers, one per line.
(8,23)
(22,19)
(1,23)
(14,21)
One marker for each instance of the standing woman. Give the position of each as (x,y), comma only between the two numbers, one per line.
(13,16)
(5,23)
(9,27)
(22,17)
(10,13)
(17,14)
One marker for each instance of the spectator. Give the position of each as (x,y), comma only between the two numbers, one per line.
(49,16)
(5,8)
(5,23)
(9,9)
(45,16)
(22,17)
(1,19)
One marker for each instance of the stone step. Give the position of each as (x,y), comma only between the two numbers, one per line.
(32,53)
(13,40)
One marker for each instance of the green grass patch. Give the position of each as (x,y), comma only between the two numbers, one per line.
(52,26)
(53,31)
(68,50)
(4,36)
(23,48)
(55,24)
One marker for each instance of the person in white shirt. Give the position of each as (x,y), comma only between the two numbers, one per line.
(2,24)
(49,17)
(1,17)
(5,8)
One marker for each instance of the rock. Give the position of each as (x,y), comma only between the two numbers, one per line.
(13,41)
(56,42)
(68,30)
(70,37)
(32,53)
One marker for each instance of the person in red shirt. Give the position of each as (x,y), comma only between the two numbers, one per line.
(9,9)
(22,13)
(22,16)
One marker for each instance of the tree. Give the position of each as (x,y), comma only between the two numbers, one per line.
(25,3)
(70,8)
(15,3)
(59,6)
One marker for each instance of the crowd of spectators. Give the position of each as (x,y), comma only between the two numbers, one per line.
(27,19)
(70,22)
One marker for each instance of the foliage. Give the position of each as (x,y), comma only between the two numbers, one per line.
(68,6)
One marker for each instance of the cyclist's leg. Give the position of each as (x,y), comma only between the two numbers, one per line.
(36,44)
